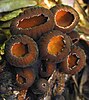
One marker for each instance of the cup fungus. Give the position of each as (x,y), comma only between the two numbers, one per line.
(75,61)
(54,46)
(41,86)
(25,78)
(74,36)
(46,69)
(33,22)
(65,17)
(21,51)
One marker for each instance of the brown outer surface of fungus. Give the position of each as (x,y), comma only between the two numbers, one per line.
(78,62)
(25,78)
(29,49)
(34,15)
(63,52)
(66,17)
(41,86)
(74,35)
(46,69)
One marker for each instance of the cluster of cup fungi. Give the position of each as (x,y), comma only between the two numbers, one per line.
(44,47)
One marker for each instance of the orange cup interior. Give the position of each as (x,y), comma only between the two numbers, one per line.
(19,49)
(32,21)
(64,18)
(55,45)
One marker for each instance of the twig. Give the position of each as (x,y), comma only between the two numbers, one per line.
(80,8)
(80,96)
